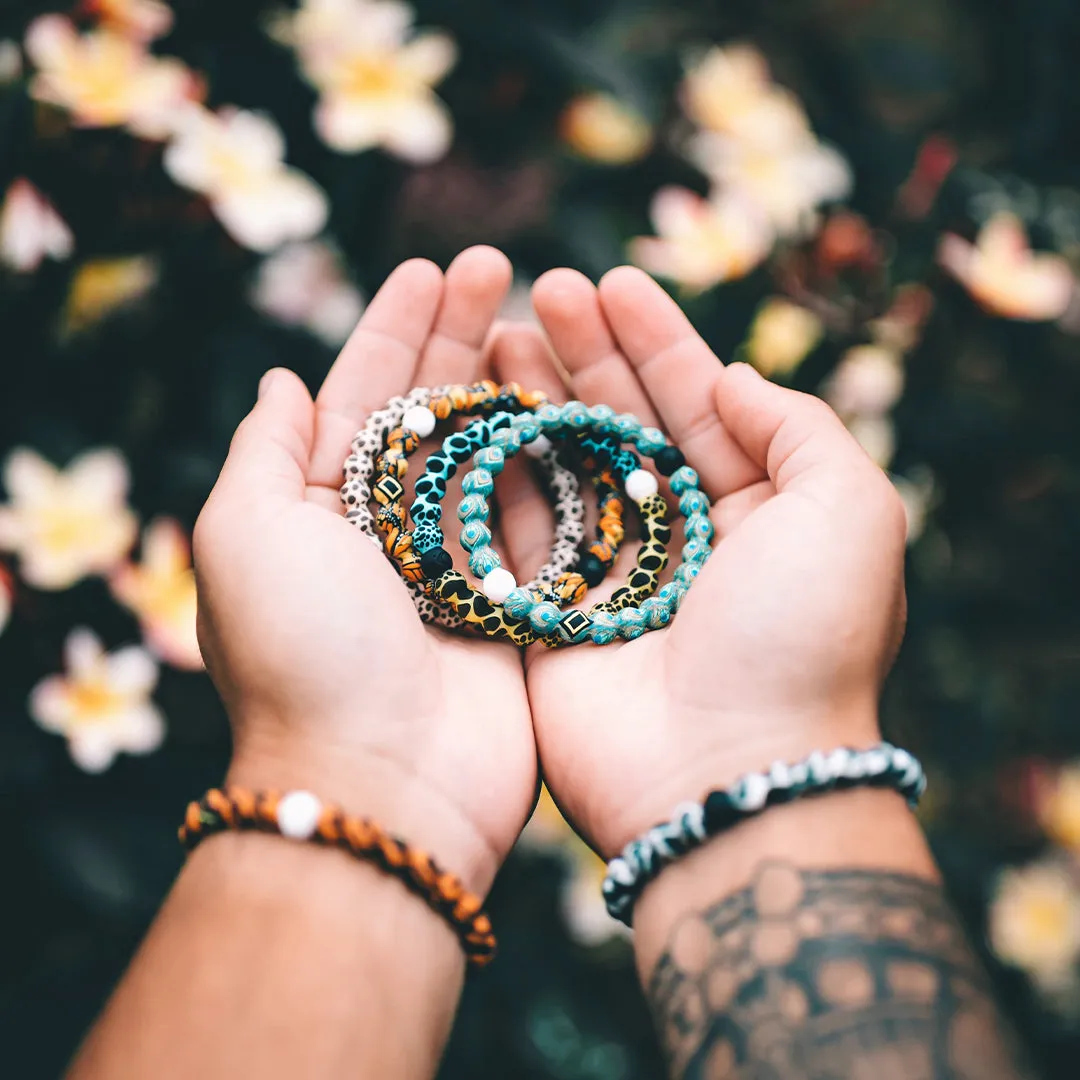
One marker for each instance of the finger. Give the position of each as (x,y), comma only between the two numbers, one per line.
(679,372)
(795,437)
(477,282)
(569,308)
(519,353)
(271,450)
(378,362)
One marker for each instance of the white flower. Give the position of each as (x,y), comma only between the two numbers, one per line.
(143,20)
(30,229)
(375,76)
(916,493)
(602,128)
(729,90)
(876,435)
(10,61)
(236,159)
(304,284)
(701,242)
(868,381)
(781,336)
(787,180)
(101,705)
(160,590)
(1004,275)
(105,79)
(66,524)
(1034,921)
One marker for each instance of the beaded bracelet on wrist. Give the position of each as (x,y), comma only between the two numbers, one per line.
(692,824)
(299,815)
(598,625)
(399,428)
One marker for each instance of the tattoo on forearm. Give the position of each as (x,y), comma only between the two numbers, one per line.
(828,975)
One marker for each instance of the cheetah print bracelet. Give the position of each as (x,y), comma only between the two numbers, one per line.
(415,410)
(299,815)
(601,625)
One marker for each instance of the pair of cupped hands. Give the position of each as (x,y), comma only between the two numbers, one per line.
(333,684)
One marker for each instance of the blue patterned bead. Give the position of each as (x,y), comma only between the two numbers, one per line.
(656,612)
(478,482)
(696,551)
(669,594)
(683,479)
(693,502)
(650,441)
(426,536)
(604,629)
(490,458)
(473,508)
(483,560)
(575,415)
(686,572)
(549,416)
(507,440)
(520,603)
(526,426)
(626,426)
(699,527)
(475,534)
(544,617)
(631,622)
(601,416)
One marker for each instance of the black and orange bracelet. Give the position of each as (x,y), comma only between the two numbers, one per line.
(300,815)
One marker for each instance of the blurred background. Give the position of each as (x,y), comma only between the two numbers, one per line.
(874,200)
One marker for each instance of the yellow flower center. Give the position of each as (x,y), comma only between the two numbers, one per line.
(167,596)
(372,75)
(103,77)
(92,700)
(60,528)
(1046,920)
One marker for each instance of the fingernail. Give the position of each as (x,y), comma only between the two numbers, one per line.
(265,382)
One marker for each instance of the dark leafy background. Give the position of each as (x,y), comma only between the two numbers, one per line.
(988,679)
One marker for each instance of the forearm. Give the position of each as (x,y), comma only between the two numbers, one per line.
(815,940)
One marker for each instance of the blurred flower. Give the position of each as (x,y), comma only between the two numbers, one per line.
(601,128)
(876,435)
(105,79)
(160,590)
(1004,275)
(10,61)
(30,229)
(101,705)
(786,180)
(916,493)
(936,159)
(7,592)
(236,159)
(101,286)
(143,20)
(701,242)
(868,381)
(781,336)
(729,90)
(304,284)
(583,905)
(1059,808)
(375,76)
(1034,921)
(901,327)
(66,524)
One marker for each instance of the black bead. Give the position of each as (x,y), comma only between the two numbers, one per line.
(668,460)
(591,569)
(435,563)
(719,812)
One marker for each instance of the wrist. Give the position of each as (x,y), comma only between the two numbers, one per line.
(369,782)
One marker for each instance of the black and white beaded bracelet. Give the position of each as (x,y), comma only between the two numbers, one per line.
(692,824)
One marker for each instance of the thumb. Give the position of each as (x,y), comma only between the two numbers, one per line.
(271,449)
(798,440)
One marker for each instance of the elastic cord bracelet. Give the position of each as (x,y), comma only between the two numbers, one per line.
(692,824)
(299,815)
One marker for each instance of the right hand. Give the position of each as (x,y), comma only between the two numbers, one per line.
(783,641)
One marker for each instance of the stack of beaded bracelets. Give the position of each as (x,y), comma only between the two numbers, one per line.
(299,815)
(692,824)
(562,438)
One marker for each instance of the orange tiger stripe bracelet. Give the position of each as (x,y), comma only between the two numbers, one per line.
(300,815)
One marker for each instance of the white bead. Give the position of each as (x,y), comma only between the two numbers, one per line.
(538,447)
(751,792)
(419,419)
(640,484)
(298,815)
(498,585)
